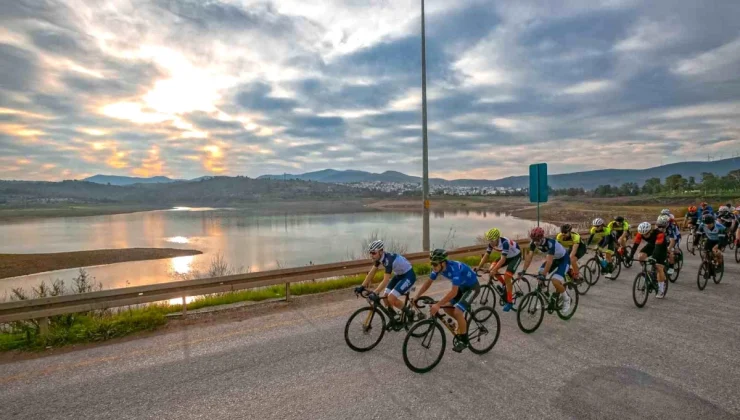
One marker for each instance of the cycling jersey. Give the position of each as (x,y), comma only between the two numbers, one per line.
(574,239)
(599,235)
(506,247)
(618,227)
(394,263)
(673,231)
(657,245)
(458,273)
(693,216)
(549,247)
(726,220)
(707,210)
(713,234)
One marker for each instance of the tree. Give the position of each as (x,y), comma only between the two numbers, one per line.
(709,182)
(676,183)
(652,186)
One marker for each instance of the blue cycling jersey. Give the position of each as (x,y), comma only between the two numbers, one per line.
(550,247)
(673,231)
(713,234)
(458,273)
(507,248)
(394,263)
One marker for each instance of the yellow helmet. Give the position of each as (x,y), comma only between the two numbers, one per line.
(493,235)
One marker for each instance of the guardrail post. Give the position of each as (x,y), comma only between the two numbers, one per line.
(43,326)
(287,292)
(184,306)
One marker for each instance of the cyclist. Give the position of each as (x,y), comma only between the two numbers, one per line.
(511,256)
(602,234)
(655,247)
(556,262)
(691,218)
(465,288)
(737,232)
(392,287)
(705,208)
(716,236)
(673,234)
(571,241)
(619,228)
(726,218)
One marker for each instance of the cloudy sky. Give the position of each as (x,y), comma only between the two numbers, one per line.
(186,88)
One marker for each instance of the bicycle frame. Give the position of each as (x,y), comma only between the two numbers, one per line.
(382,308)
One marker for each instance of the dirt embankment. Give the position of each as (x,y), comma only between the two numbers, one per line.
(12,265)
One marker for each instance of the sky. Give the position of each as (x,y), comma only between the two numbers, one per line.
(186,88)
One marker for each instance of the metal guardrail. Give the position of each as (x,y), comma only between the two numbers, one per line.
(60,305)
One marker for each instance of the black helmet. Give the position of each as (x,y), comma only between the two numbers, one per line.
(707,219)
(619,219)
(438,255)
(565,229)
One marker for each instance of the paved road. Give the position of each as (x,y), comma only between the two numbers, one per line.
(674,359)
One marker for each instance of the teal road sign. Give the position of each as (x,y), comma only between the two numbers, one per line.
(538,183)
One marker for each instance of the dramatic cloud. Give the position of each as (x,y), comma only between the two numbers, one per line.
(186,88)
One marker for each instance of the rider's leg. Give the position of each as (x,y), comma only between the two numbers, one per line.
(508,277)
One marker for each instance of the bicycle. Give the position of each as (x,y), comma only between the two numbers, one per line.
(731,239)
(582,284)
(710,267)
(489,291)
(623,256)
(373,318)
(596,267)
(737,254)
(690,240)
(701,245)
(533,305)
(646,282)
(677,265)
(426,334)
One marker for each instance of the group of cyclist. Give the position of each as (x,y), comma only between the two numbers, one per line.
(561,257)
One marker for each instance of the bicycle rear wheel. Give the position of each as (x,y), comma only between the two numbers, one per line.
(424,346)
(690,243)
(585,282)
(616,268)
(626,260)
(640,290)
(520,288)
(719,272)
(595,268)
(703,276)
(571,291)
(531,312)
(484,327)
(487,297)
(676,269)
(364,330)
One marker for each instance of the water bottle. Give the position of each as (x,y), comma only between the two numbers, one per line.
(603,263)
(450,322)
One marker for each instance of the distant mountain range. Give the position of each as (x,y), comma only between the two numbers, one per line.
(586,179)
(128,180)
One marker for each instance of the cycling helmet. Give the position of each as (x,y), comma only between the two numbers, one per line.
(565,229)
(619,219)
(493,235)
(438,255)
(708,219)
(692,209)
(723,210)
(665,212)
(537,233)
(703,204)
(644,227)
(376,246)
(663,221)
(737,210)
(598,222)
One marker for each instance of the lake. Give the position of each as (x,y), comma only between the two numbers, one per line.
(244,239)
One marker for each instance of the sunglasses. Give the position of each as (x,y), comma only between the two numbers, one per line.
(373,252)
(435,264)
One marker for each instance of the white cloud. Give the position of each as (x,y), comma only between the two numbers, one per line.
(589,87)
(722,63)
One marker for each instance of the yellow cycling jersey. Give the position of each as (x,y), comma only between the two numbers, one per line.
(598,236)
(574,239)
(616,227)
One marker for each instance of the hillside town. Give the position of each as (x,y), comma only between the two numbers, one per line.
(435,189)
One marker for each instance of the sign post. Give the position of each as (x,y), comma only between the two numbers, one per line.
(538,189)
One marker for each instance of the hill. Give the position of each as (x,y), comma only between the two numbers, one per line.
(128,180)
(587,179)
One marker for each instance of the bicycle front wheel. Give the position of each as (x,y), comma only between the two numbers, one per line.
(364,330)
(487,297)
(595,268)
(519,289)
(616,268)
(570,290)
(424,346)
(584,283)
(703,276)
(719,272)
(531,312)
(484,327)
(640,290)
(626,260)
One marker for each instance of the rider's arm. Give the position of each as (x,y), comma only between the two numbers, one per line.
(499,263)
(381,286)
(590,238)
(370,276)
(528,259)
(574,250)
(548,263)
(625,230)
(483,260)
(638,239)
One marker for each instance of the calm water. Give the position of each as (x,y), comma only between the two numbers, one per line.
(244,239)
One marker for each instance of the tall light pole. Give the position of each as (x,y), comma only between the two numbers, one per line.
(425,146)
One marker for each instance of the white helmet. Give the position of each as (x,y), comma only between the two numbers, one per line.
(723,209)
(665,212)
(663,220)
(598,222)
(644,227)
(376,246)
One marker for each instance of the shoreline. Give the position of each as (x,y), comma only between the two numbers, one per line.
(17,265)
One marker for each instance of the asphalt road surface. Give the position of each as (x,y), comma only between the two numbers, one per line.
(676,358)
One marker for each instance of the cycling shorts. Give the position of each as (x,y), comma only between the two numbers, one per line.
(400,284)
(660,256)
(513,263)
(465,297)
(606,245)
(559,268)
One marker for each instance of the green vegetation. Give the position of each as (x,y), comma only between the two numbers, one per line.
(103,325)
